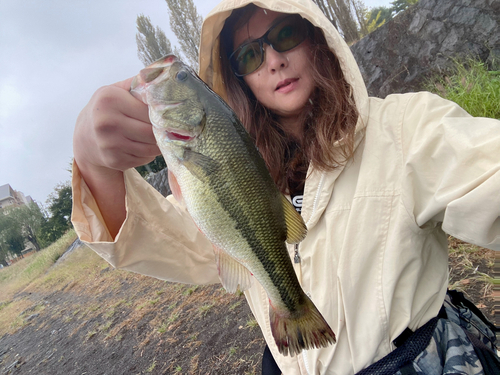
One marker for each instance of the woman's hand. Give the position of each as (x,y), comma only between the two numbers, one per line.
(112,134)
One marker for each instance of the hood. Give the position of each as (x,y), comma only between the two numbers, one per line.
(209,45)
(318,184)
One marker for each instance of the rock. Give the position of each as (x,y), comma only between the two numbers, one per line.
(398,56)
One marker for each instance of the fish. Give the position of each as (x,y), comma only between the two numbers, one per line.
(216,170)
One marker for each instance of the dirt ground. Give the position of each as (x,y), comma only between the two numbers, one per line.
(114,322)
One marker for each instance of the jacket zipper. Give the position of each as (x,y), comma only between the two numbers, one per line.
(296,257)
(297,254)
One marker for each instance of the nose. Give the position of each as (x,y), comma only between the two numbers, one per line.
(274,60)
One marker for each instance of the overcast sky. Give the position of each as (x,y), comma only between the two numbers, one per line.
(53,55)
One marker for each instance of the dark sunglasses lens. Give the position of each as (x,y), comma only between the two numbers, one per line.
(246,58)
(288,34)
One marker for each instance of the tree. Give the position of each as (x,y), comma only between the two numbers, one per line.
(186,23)
(343,15)
(327,10)
(11,237)
(152,44)
(59,206)
(376,17)
(401,5)
(31,219)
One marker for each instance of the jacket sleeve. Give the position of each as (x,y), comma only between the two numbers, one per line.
(158,237)
(452,169)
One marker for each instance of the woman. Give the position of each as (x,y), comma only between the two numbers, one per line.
(382,181)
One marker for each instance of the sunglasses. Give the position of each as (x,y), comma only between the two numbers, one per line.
(285,35)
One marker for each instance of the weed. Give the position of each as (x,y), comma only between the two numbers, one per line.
(172,318)
(154,301)
(252,323)
(234,305)
(172,305)
(106,326)
(163,328)
(91,334)
(190,290)
(141,306)
(232,350)
(203,310)
(178,369)
(152,366)
(25,271)
(472,86)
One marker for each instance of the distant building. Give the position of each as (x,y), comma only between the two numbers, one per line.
(11,197)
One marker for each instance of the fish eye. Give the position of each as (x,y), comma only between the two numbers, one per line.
(181,76)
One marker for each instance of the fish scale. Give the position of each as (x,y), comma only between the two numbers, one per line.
(217,171)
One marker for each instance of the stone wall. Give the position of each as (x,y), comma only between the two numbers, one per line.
(399,55)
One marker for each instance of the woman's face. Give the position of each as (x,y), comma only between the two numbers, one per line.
(283,83)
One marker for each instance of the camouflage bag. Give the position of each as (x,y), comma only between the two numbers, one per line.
(460,340)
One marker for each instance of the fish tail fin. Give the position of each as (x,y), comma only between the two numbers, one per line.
(304,329)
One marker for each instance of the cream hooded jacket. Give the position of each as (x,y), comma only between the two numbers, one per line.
(375,258)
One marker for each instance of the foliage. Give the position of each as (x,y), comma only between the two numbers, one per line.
(11,237)
(377,17)
(471,85)
(354,20)
(59,221)
(31,219)
(186,23)
(22,273)
(155,166)
(152,44)
(402,5)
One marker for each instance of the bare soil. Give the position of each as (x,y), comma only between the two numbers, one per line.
(114,322)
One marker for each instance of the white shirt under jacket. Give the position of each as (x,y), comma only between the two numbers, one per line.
(375,257)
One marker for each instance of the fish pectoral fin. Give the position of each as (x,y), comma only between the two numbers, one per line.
(174,187)
(233,275)
(296,229)
(199,165)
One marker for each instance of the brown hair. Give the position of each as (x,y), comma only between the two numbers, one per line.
(332,114)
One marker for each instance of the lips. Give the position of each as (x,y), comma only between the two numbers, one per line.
(285,83)
(174,136)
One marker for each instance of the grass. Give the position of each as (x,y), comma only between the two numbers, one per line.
(14,278)
(472,85)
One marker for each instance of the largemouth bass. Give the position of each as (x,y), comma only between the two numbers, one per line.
(215,168)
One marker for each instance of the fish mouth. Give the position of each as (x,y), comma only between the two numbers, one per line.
(179,135)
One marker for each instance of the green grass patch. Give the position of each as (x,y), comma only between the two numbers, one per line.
(14,278)
(472,85)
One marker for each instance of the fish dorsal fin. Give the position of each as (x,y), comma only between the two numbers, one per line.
(232,274)
(296,229)
(199,165)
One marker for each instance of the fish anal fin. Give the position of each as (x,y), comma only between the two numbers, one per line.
(199,165)
(296,229)
(174,187)
(233,275)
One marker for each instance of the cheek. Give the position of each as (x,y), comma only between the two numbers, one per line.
(254,82)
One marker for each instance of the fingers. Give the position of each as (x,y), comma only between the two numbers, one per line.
(116,99)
